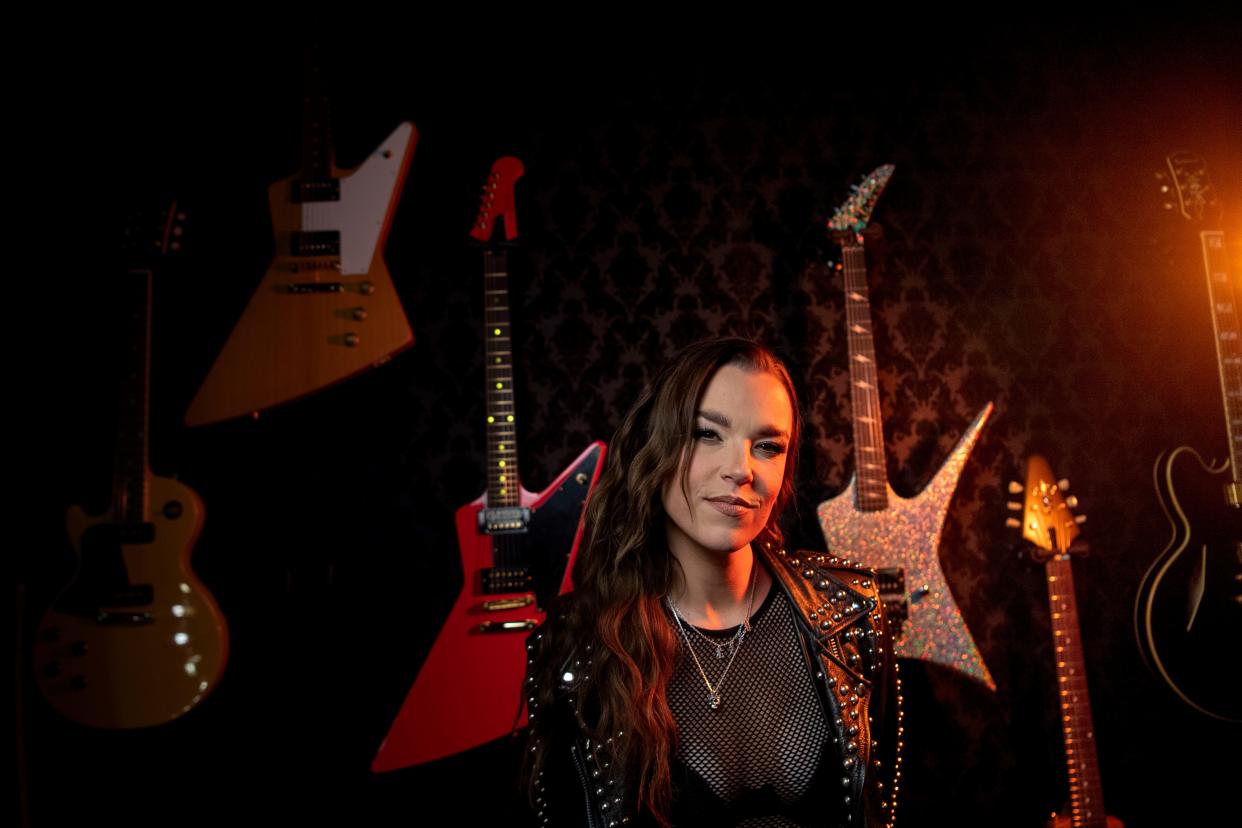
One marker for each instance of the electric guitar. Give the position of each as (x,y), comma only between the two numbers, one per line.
(135,639)
(899,537)
(326,309)
(517,550)
(1188,609)
(1049,524)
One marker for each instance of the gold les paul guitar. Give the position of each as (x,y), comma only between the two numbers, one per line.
(1051,527)
(135,639)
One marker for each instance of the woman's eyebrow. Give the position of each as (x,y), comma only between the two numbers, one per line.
(722,420)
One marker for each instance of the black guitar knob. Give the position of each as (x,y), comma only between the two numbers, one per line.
(351,339)
(359,314)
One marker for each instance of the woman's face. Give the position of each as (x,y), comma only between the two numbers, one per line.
(734,467)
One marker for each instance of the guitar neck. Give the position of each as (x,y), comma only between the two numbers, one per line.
(1228,347)
(129,484)
(1086,796)
(316,134)
(872,489)
(502,468)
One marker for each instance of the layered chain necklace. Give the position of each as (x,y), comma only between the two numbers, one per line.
(731,645)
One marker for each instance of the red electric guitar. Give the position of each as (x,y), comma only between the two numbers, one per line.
(517,550)
(1049,524)
(135,639)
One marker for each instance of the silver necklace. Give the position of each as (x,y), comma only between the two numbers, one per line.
(733,645)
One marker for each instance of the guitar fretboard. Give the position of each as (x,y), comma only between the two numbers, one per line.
(129,489)
(1086,798)
(502,468)
(872,484)
(1228,347)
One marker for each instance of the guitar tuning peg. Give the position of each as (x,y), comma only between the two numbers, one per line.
(1072,502)
(1015,487)
(1063,484)
(1080,519)
(1013,523)
(1014,506)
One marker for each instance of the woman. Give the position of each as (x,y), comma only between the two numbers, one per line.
(699,673)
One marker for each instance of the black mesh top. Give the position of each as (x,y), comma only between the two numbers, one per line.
(762,758)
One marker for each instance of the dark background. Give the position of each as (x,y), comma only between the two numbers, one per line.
(672,192)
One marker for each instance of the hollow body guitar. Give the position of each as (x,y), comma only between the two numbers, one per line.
(1188,608)
(517,551)
(869,521)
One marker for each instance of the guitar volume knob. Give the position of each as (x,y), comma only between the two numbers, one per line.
(359,314)
(351,340)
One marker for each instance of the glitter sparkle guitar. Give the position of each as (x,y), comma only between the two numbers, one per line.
(869,521)
(517,550)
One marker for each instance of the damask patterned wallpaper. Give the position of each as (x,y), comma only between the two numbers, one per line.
(1020,256)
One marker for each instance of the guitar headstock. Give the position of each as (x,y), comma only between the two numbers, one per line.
(1187,189)
(497,200)
(151,235)
(1048,520)
(851,218)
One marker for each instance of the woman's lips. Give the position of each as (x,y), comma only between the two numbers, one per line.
(731,506)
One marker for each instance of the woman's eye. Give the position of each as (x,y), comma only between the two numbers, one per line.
(706,434)
(770,449)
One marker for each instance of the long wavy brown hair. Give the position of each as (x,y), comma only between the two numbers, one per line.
(613,622)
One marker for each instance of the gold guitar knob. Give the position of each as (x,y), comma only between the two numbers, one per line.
(351,340)
(359,314)
(367,288)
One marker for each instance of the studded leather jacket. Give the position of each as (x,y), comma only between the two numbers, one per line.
(848,650)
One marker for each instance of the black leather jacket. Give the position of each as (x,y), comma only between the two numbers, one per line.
(848,650)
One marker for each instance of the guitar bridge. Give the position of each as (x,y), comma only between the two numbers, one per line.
(891,582)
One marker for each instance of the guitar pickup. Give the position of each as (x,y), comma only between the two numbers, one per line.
(316,243)
(525,625)
(508,603)
(504,521)
(108,618)
(500,579)
(316,189)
